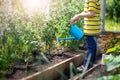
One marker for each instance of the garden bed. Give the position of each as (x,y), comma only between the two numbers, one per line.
(20,71)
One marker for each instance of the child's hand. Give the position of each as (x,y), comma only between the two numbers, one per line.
(75,18)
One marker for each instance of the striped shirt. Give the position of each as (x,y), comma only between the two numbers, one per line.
(92,25)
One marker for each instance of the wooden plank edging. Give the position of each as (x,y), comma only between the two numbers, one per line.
(53,72)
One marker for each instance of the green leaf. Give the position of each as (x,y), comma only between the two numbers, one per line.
(111,77)
(112,66)
(117,59)
(111,50)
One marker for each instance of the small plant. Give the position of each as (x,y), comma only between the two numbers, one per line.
(109,41)
(114,50)
(112,60)
(49,36)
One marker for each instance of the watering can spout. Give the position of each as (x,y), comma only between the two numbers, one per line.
(76,32)
(69,38)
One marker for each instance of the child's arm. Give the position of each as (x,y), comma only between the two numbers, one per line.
(82,15)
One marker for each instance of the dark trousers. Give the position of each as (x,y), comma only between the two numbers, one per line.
(91,44)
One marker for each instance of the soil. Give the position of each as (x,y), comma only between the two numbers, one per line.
(19,71)
(99,71)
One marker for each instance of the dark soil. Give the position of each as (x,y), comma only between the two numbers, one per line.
(20,70)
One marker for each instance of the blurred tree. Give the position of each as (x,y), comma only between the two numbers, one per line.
(113,9)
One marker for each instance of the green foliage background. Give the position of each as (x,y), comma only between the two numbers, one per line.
(21,34)
(113,9)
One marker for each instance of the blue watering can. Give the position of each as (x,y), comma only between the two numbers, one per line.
(76,32)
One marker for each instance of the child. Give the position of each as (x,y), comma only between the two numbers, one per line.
(92,24)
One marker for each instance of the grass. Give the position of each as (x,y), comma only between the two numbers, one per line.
(111,25)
